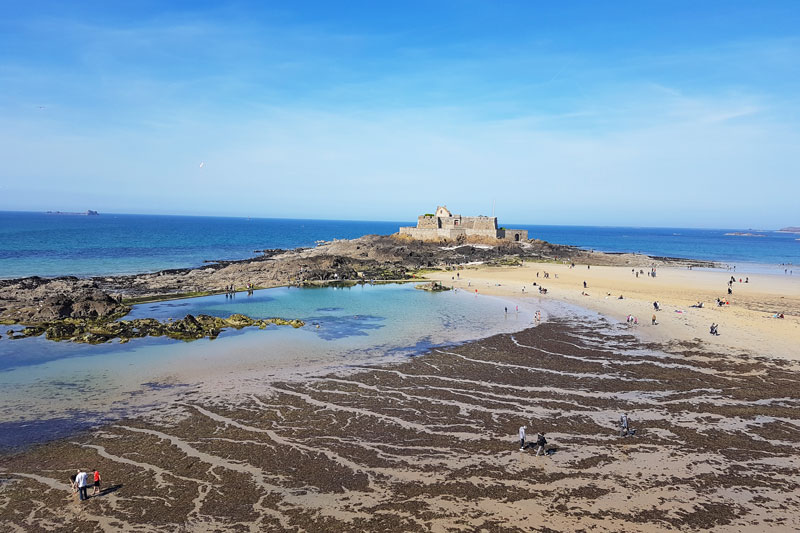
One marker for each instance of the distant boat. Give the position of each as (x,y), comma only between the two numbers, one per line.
(87,213)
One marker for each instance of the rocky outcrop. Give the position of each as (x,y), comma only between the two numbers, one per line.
(34,300)
(433,286)
(189,328)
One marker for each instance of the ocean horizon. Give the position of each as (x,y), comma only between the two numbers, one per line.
(52,245)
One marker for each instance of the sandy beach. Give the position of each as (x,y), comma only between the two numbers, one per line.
(746,325)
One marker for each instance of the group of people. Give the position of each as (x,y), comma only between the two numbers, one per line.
(81,481)
(540,442)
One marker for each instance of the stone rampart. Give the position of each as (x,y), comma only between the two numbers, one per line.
(513,234)
(445,225)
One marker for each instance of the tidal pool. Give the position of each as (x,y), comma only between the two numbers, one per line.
(48,389)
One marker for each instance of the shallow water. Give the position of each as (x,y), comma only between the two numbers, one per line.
(73,385)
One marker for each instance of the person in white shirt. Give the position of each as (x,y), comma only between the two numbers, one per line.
(82,480)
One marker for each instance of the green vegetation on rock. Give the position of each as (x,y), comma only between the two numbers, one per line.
(189,328)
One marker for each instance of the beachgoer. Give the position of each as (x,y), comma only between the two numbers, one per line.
(540,442)
(96,483)
(82,480)
(623,425)
(522,437)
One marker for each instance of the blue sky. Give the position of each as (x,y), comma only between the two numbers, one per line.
(627,113)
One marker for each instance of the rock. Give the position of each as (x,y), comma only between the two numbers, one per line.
(239,321)
(433,286)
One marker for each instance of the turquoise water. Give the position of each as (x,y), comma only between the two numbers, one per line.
(58,245)
(73,385)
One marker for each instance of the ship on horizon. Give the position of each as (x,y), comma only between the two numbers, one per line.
(86,213)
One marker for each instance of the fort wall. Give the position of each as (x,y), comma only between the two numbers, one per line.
(444,225)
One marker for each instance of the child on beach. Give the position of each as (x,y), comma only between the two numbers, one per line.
(96,483)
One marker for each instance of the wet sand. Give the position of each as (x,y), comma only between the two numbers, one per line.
(745,326)
(430,444)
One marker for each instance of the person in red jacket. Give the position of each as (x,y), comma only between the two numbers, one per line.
(96,483)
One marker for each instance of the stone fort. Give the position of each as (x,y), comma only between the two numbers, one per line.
(445,225)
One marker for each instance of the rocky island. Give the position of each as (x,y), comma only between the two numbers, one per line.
(90,309)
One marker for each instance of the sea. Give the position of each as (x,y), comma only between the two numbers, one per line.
(48,245)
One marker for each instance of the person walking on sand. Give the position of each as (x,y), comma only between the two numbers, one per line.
(522,437)
(623,425)
(82,481)
(96,482)
(540,442)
